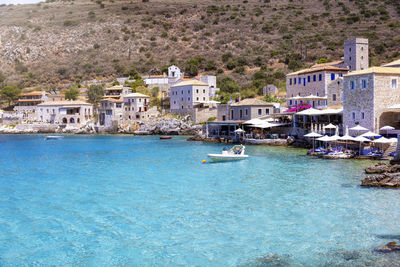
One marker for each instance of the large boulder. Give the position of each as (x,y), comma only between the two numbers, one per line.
(390,180)
(389,247)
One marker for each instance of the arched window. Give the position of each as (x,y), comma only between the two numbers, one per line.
(64,120)
(78,120)
(71,120)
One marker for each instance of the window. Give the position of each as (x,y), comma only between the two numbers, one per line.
(308,78)
(341,74)
(299,80)
(118,105)
(350,49)
(197,98)
(290,81)
(350,58)
(304,81)
(314,78)
(182,92)
(241,113)
(204,98)
(362,115)
(246,112)
(351,85)
(204,91)
(320,77)
(334,97)
(290,102)
(188,98)
(266,111)
(295,80)
(353,115)
(232,114)
(197,90)
(332,76)
(259,111)
(188,91)
(223,118)
(394,83)
(363,84)
(182,98)
(108,112)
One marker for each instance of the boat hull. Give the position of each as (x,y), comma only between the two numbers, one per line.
(221,157)
(53,137)
(165,137)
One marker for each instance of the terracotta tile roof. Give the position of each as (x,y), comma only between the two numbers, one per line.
(64,103)
(190,82)
(157,76)
(30,100)
(337,62)
(119,100)
(136,95)
(34,93)
(311,70)
(379,70)
(392,64)
(252,102)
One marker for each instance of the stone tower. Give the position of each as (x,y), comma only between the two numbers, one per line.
(356,54)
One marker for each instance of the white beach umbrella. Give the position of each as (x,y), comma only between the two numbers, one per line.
(239,131)
(386,128)
(346,137)
(330,126)
(313,136)
(324,138)
(361,139)
(358,128)
(337,131)
(369,134)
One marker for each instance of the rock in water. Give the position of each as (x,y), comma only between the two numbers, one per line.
(389,247)
(382,168)
(390,180)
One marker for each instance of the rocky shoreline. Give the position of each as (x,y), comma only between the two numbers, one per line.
(156,127)
(386,176)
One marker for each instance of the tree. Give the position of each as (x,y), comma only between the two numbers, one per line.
(95,93)
(2,77)
(155,91)
(10,93)
(72,93)
(228,85)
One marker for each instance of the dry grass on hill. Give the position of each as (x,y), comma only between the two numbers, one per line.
(59,42)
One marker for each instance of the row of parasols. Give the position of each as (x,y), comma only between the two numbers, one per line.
(360,138)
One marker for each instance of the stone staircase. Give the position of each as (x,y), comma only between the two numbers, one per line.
(392,148)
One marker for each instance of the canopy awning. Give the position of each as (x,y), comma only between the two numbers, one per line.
(309,97)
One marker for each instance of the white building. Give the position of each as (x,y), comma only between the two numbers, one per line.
(111,110)
(185,95)
(211,80)
(135,106)
(27,102)
(64,112)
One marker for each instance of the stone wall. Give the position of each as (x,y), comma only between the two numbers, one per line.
(373,101)
(358,101)
(385,97)
(335,88)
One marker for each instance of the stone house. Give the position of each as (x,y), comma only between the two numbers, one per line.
(116,91)
(371,98)
(135,106)
(110,110)
(185,95)
(27,102)
(64,112)
(248,109)
(335,93)
(270,89)
(311,82)
(314,82)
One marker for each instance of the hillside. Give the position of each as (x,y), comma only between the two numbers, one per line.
(51,44)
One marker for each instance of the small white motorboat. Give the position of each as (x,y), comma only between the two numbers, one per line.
(235,153)
(54,137)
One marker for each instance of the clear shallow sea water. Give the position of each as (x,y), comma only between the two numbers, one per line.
(141,201)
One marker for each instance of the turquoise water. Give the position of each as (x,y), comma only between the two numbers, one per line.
(141,201)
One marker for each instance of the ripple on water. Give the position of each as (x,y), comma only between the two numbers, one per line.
(120,200)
